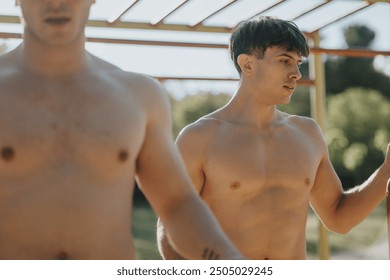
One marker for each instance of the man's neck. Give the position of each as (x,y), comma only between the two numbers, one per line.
(249,109)
(56,61)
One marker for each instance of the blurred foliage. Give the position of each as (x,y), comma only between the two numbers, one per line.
(193,107)
(358,36)
(358,133)
(358,110)
(345,72)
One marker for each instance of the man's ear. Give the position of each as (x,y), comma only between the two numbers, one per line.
(245,63)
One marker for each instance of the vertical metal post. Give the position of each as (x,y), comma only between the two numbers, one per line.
(388,214)
(318,112)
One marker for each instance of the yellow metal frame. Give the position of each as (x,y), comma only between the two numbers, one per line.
(318,111)
(388,213)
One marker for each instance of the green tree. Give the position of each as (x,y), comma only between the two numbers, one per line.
(358,133)
(345,72)
(359,36)
(193,107)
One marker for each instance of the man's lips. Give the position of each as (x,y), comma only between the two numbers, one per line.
(57,20)
(289,87)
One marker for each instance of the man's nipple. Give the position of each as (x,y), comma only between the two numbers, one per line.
(7,153)
(123,155)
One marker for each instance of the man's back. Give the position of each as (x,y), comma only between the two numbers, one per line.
(68,153)
(257,181)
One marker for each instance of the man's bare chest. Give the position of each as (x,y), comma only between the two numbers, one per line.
(254,162)
(38,126)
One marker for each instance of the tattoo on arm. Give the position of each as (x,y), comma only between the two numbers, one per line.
(209,255)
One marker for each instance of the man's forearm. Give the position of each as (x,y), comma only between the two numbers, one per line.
(195,233)
(359,202)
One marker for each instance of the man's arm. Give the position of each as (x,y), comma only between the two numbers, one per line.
(190,143)
(191,227)
(164,246)
(340,211)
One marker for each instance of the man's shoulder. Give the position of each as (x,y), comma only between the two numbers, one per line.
(201,130)
(141,85)
(133,78)
(295,120)
(306,126)
(205,125)
(99,64)
(11,76)
(301,121)
(141,82)
(8,63)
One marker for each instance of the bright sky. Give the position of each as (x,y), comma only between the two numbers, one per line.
(175,61)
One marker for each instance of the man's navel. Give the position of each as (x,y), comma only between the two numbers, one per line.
(235,185)
(62,255)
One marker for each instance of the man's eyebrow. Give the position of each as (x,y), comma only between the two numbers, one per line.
(300,60)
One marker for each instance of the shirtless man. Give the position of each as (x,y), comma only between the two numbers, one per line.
(258,168)
(74,133)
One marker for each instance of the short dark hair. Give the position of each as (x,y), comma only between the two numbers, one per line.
(254,36)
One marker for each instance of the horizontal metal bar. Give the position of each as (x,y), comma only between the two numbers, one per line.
(156,43)
(138,25)
(302,82)
(350,52)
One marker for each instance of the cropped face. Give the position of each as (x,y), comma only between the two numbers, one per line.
(55,22)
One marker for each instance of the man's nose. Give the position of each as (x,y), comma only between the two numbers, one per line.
(296,73)
(55,3)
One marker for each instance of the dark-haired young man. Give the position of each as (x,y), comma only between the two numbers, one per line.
(74,132)
(258,168)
